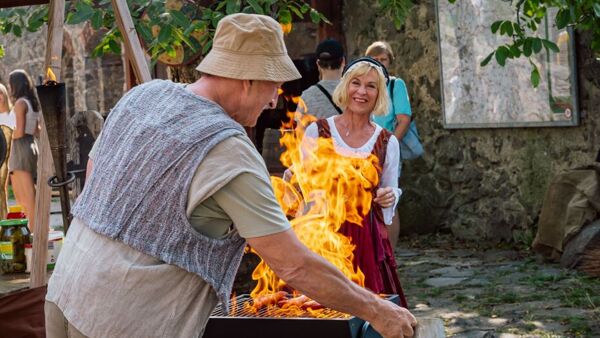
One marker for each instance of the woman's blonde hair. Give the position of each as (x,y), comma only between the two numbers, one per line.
(340,94)
(5,96)
(378,48)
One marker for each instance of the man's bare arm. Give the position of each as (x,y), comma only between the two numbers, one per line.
(318,279)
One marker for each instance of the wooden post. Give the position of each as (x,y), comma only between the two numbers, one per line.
(133,48)
(56,16)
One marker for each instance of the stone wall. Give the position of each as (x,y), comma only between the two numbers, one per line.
(483,183)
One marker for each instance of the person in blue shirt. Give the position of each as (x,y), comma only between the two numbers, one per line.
(398,118)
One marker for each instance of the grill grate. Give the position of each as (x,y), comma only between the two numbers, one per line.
(267,324)
(239,308)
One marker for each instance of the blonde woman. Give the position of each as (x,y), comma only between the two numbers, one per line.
(23,156)
(6,116)
(361,94)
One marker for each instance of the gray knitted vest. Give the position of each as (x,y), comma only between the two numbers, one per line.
(151,145)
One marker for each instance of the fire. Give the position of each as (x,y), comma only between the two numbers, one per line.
(317,197)
(286,27)
(50,77)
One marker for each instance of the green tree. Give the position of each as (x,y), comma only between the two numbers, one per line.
(175,29)
(582,15)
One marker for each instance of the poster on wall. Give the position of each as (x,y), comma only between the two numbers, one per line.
(494,96)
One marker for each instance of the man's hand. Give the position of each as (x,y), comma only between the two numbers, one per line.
(385,197)
(395,322)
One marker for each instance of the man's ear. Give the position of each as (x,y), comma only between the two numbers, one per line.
(246,84)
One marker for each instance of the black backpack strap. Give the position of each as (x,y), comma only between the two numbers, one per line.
(327,95)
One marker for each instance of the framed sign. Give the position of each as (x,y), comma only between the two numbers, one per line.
(494,96)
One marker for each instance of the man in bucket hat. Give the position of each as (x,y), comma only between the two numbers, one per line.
(175,191)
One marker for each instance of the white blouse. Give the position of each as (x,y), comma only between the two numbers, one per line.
(389,175)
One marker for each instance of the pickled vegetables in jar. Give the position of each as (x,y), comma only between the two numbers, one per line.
(14,234)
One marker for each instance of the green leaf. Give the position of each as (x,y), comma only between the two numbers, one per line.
(314,16)
(486,60)
(180,19)
(536,45)
(296,11)
(527,47)
(596,7)
(83,12)
(165,34)
(171,52)
(285,16)
(256,7)
(495,26)
(97,20)
(17,31)
(145,33)
(114,46)
(7,28)
(1,51)
(562,18)
(515,51)
(305,7)
(206,47)
(325,20)
(535,77)
(35,25)
(550,45)
(506,28)
(501,54)
(233,6)
(517,29)
(509,28)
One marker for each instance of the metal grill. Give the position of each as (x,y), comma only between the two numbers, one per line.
(266,323)
(239,309)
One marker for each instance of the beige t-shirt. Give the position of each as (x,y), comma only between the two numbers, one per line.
(107,289)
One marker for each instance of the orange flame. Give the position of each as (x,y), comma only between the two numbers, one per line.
(50,75)
(325,191)
(286,27)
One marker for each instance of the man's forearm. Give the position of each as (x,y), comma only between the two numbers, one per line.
(341,294)
(318,279)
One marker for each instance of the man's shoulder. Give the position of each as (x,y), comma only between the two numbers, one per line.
(237,146)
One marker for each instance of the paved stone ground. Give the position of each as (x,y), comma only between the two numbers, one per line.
(481,290)
(490,291)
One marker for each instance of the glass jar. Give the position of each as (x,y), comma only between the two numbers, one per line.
(14,234)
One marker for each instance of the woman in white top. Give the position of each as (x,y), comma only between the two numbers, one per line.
(362,92)
(23,156)
(6,116)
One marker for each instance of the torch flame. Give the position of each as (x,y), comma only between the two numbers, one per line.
(50,75)
(325,191)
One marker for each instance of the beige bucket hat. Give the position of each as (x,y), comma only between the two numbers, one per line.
(249,47)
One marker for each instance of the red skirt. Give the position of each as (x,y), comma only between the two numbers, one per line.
(374,255)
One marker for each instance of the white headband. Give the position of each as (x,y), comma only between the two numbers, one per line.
(371,64)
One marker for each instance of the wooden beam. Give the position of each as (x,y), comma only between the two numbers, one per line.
(133,48)
(56,18)
(18,3)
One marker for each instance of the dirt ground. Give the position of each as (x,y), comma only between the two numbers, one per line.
(489,290)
